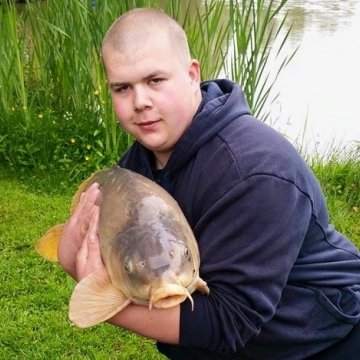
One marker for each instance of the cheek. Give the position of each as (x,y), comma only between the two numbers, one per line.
(122,110)
(173,103)
(181,109)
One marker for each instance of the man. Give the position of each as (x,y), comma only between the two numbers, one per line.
(284,283)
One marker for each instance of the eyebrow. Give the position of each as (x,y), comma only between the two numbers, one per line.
(150,76)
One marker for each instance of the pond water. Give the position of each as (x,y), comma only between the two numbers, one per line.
(319,99)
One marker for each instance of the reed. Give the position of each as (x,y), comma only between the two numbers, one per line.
(13,65)
(55,110)
(207,26)
(257,56)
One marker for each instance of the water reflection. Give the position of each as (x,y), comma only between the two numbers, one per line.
(320,89)
(321,16)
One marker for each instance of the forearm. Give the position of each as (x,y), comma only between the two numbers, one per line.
(160,324)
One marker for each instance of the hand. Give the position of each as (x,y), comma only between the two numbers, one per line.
(76,228)
(88,259)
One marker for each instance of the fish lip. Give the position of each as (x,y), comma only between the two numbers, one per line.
(167,302)
(169,296)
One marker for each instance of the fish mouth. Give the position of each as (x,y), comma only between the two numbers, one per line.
(169,296)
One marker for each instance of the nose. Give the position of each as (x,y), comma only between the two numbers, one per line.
(142,100)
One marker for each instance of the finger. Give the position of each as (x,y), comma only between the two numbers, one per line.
(86,212)
(93,239)
(91,195)
(89,257)
(79,206)
(94,254)
(94,222)
(87,199)
(91,234)
(90,250)
(82,255)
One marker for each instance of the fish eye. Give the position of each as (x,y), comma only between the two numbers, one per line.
(141,264)
(187,253)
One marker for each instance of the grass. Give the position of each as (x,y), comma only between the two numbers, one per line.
(339,175)
(34,293)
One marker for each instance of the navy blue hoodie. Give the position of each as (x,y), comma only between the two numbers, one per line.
(284,283)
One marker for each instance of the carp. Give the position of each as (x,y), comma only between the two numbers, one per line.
(148,248)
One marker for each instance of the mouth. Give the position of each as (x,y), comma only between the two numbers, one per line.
(169,296)
(148,125)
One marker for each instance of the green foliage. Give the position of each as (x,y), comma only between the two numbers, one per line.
(339,176)
(34,293)
(55,112)
(56,140)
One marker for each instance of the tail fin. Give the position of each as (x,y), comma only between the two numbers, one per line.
(47,246)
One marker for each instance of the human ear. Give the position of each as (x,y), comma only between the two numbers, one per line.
(194,71)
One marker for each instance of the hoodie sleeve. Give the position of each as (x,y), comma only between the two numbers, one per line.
(249,240)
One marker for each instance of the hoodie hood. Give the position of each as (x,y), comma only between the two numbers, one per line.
(222,102)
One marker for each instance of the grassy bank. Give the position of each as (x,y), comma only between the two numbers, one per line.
(339,175)
(34,293)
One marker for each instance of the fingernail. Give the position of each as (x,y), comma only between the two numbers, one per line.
(92,239)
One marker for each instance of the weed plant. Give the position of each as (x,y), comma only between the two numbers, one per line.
(55,112)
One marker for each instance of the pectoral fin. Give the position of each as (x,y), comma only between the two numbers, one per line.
(95,300)
(202,286)
(47,246)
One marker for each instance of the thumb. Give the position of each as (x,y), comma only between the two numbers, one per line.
(89,257)
(93,244)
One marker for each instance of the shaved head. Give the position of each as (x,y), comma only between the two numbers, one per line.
(153,82)
(140,25)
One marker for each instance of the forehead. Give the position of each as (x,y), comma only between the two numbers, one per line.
(140,60)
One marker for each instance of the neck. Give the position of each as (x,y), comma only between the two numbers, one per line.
(159,163)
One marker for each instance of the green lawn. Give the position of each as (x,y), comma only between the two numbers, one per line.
(34,293)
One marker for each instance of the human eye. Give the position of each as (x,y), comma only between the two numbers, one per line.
(120,88)
(156,81)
